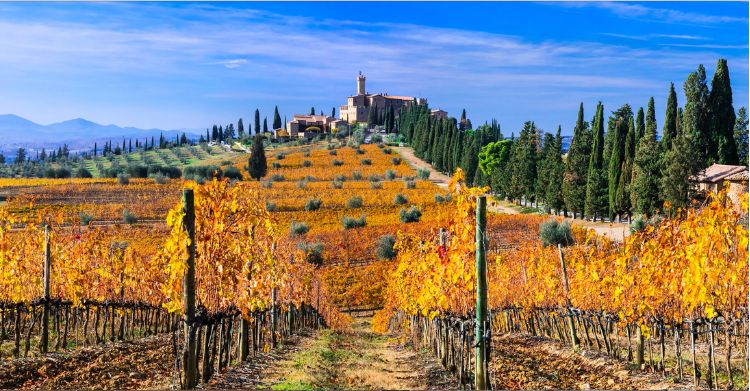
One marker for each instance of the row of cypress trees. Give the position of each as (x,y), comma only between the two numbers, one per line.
(622,171)
(444,144)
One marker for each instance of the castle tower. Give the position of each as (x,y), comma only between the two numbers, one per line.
(361,84)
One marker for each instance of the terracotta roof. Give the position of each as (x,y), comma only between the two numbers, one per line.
(719,172)
(740,176)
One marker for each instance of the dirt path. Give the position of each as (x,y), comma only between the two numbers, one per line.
(437,177)
(356,359)
(142,364)
(525,362)
(616,231)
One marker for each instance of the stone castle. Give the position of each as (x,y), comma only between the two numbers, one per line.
(357,107)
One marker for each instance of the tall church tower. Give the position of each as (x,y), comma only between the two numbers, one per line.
(361,84)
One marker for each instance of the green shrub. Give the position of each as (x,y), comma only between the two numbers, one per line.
(310,178)
(337,185)
(396,161)
(387,151)
(410,184)
(376,185)
(360,151)
(354,202)
(340,178)
(390,175)
(85,218)
(275,165)
(423,173)
(357,175)
(366,162)
(552,233)
(333,152)
(439,198)
(280,156)
(313,252)
(351,222)
(400,199)
(374,178)
(137,171)
(337,162)
(411,215)
(299,228)
(232,172)
(277,178)
(306,163)
(270,206)
(384,249)
(266,184)
(82,172)
(123,179)
(313,204)
(306,154)
(376,139)
(128,217)
(226,162)
(302,184)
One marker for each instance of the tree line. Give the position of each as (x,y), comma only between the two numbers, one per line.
(619,171)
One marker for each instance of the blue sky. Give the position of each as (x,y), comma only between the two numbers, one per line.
(190,65)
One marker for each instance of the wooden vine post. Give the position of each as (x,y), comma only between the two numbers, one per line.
(481,379)
(566,285)
(190,358)
(44,339)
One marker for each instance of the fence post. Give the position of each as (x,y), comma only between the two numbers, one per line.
(571,324)
(480,369)
(44,339)
(274,317)
(188,293)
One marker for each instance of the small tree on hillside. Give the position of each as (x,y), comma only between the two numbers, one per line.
(257,166)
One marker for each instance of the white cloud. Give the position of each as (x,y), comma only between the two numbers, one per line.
(630,11)
(231,64)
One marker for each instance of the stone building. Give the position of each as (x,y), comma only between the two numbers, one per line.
(357,108)
(718,176)
(304,125)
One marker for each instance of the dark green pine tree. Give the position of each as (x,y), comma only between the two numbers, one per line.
(372,116)
(679,121)
(596,185)
(265,125)
(95,143)
(576,167)
(694,122)
(670,120)
(256,164)
(257,121)
(722,116)
(462,123)
(621,119)
(333,112)
(644,191)
(553,196)
(312,110)
(741,135)
(214,133)
(240,129)
(276,118)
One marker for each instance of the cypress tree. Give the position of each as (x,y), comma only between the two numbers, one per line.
(553,196)
(670,120)
(644,193)
(240,129)
(623,188)
(640,127)
(678,166)
(470,159)
(741,135)
(257,121)
(215,133)
(276,118)
(576,167)
(621,119)
(596,186)
(694,122)
(524,165)
(333,112)
(722,116)
(265,125)
(543,169)
(312,110)
(256,164)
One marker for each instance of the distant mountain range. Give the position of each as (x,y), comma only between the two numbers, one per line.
(79,134)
